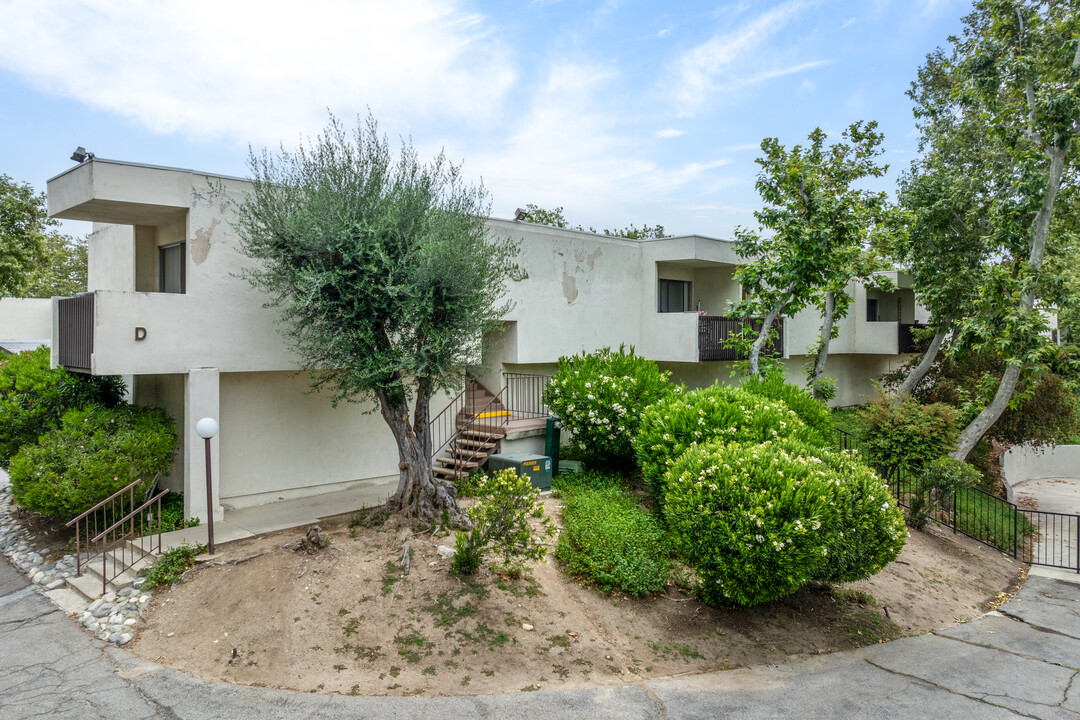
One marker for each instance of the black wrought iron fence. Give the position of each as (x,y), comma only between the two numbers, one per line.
(1032,536)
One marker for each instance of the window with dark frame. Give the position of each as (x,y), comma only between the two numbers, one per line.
(871,310)
(673,295)
(172,275)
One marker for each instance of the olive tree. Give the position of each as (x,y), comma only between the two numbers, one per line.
(386,279)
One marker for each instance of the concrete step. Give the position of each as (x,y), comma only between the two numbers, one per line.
(447,473)
(90,583)
(472,444)
(457,462)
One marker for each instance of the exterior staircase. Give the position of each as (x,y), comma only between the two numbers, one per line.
(480,425)
(91,584)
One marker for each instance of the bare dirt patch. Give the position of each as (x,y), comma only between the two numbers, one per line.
(348,621)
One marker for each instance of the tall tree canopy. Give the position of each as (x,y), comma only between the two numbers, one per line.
(386,279)
(819,225)
(1015,69)
(23,220)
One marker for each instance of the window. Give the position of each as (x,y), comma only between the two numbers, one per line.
(673,296)
(871,310)
(171,272)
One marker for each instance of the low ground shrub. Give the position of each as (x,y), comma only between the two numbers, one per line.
(610,542)
(757,522)
(810,410)
(94,453)
(502,522)
(907,436)
(173,563)
(599,397)
(33,397)
(718,412)
(172,516)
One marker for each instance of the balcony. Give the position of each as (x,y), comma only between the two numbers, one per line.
(75,319)
(715,330)
(906,340)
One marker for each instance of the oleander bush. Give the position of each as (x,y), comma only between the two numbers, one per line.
(599,397)
(94,453)
(810,410)
(610,542)
(34,396)
(759,521)
(719,412)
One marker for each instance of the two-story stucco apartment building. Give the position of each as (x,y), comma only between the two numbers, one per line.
(167,309)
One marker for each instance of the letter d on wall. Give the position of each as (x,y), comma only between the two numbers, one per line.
(140,334)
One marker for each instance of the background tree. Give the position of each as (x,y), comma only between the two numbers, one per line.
(555,218)
(386,278)
(819,228)
(1017,66)
(23,219)
(62,270)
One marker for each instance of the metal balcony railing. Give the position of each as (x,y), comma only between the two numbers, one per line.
(715,330)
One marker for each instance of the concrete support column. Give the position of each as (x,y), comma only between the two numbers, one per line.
(201,399)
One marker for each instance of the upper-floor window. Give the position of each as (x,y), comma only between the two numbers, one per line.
(171,274)
(673,295)
(871,310)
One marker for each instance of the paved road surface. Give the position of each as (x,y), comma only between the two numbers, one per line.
(1020,664)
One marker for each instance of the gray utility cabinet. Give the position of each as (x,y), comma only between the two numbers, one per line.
(536,467)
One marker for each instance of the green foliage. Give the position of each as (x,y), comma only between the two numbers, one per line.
(946,476)
(816,225)
(94,453)
(172,516)
(757,522)
(611,542)
(173,563)
(991,520)
(907,436)
(599,398)
(24,218)
(810,410)
(502,523)
(555,218)
(588,480)
(719,412)
(33,396)
(63,270)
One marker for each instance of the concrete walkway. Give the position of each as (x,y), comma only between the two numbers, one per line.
(284,514)
(1022,662)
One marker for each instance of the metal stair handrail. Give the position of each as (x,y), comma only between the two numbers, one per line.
(479,419)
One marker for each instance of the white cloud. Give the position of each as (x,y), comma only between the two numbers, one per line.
(847,23)
(669,133)
(733,60)
(254,71)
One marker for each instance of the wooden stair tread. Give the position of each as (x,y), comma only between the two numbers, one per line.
(457,462)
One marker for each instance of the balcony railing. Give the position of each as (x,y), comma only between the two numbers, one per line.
(906,342)
(76,336)
(715,330)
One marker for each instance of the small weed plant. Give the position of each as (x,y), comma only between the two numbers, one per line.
(171,565)
(502,522)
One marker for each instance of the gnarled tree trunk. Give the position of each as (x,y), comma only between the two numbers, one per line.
(420,495)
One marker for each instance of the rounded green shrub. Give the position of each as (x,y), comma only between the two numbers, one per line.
(758,521)
(33,397)
(908,436)
(810,410)
(94,453)
(719,412)
(599,397)
(609,541)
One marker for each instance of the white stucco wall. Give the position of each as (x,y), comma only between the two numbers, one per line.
(25,318)
(278,441)
(1028,462)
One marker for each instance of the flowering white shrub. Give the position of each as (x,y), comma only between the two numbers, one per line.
(758,521)
(599,397)
(718,412)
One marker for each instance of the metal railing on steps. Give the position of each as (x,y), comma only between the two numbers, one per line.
(118,531)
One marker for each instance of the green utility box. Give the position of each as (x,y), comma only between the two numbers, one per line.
(536,467)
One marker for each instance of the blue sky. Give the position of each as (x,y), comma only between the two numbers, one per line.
(622,112)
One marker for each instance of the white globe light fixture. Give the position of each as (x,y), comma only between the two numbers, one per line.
(208,428)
